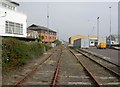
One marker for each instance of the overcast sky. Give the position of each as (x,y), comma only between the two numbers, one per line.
(73,18)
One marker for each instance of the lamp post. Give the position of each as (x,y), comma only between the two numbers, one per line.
(110,28)
(91,31)
(98,29)
(48,22)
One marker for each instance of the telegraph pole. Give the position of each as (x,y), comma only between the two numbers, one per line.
(48,22)
(110,27)
(98,29)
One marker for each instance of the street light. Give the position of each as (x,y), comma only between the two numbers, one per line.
(98,29)
(110,28)
(48,22)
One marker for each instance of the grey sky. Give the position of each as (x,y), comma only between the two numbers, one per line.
(73,18)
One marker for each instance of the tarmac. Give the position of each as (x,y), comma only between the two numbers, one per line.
(116,48)
(106,54)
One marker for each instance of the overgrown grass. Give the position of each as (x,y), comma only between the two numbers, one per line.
(16,53)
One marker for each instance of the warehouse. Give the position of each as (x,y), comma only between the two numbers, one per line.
(72,38)
(92,39)
(12,22)
(81,43)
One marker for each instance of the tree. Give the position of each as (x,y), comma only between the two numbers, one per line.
(57,42)
(40,38)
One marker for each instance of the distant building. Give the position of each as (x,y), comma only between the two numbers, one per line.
(92,39)
(32,34)
(72,38)
(12,22)
(35,31)
(113,39)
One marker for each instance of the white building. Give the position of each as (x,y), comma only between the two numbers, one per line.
(12,22)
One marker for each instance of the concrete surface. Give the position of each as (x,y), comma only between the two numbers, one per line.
(109,54)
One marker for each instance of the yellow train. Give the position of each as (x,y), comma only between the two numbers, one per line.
(102,45)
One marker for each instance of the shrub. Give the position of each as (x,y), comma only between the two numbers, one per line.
(47,47)
(57,42)
(16,53)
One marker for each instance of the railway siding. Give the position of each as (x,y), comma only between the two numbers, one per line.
(101,75)
(111,66)
(45,72)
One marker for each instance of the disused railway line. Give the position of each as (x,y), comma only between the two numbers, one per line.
(49,72)
(100,73)
(19,82)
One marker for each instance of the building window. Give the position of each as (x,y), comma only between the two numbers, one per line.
(14,28)
(8,6)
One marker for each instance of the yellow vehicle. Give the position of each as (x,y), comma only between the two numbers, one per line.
(102,45)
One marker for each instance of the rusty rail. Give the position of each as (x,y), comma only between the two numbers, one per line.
(96,82)
(22,79)
(55,79)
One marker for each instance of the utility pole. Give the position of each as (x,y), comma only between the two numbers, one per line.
(48,22)
(98,29)
(58,34)
(110,28)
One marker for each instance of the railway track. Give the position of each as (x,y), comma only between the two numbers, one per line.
(101,72)
(72,74)
(39,70)
(57,71)
(70,68)
(106,64)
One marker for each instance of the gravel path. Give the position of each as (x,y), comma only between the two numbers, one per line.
(72,73)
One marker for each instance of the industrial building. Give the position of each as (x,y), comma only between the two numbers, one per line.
(92,39)
(12,22)
(72,38)
(81,43)
(48,35)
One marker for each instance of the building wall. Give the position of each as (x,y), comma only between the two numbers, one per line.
(48,37)
(12,16)
(32,34)
(92,39)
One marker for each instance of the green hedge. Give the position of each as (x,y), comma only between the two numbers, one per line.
(16,53)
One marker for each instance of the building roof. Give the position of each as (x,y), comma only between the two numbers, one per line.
(14,2)
(38,27)
(81,36)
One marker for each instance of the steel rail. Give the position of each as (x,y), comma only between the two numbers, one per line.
(19,81)
(94,80)
(107,68)
(55,79)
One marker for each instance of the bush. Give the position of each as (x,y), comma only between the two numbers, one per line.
(16,53)
(47,47)
(57,42)
(35,49)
